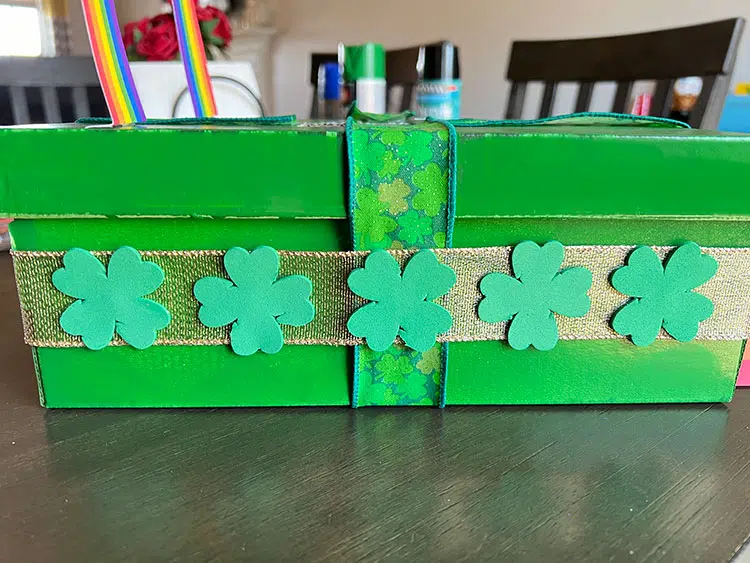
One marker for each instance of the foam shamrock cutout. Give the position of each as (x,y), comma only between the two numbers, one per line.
(401,305)
(371,225)
(111,300)
(538,290)
(255,301)
(663,295)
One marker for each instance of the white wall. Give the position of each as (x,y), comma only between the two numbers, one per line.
(127,10)
(483,29)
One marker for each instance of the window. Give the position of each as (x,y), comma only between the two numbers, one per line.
(20,31)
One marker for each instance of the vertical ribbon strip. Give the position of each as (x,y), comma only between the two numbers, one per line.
(401,197)
(194,58)
(111,62)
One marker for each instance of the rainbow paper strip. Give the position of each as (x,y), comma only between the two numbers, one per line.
(111,62)
(194,58)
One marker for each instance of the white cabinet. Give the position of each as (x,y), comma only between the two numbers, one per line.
(254,45)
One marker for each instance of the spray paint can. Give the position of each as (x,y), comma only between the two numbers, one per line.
(364,76)
(439,86)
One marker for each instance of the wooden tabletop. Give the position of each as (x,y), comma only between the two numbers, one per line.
(667,483)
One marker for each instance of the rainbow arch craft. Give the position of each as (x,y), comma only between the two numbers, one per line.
(113,68)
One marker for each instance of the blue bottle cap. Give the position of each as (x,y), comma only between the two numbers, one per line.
(332,87)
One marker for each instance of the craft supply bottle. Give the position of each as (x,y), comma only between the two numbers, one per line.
(364,76)
(329,88)
(686,92)
(439,84)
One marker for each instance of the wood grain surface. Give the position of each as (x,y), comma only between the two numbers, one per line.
(635,483)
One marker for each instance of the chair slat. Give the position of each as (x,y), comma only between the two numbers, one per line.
(696,116)
(51,105)
(622,95)
(515,100)
(548,98)
(81,102)
(407,95)
(662,102)
(583,101)
(19,105)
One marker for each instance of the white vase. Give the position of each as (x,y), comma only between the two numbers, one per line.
(162,87)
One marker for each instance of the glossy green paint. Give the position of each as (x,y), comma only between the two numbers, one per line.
(667,231)
(179,234)
(480,372)
(171,172)
(299,172)
(594,371)
(197,376)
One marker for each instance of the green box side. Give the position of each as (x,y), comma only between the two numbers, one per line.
(300,172)
(612,371)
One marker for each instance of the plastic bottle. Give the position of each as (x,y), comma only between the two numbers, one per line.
(329,88)
(439,85)
(364,76)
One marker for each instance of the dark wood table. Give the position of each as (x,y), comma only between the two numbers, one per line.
(668,483)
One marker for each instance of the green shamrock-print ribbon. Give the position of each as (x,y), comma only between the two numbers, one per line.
(401,186)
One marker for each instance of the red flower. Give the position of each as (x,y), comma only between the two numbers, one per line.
(159,42)
(223,29)
(155,39)
(130,28)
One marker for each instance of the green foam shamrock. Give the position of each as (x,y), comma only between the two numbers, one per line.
(111,300)
(254,301)
(663,296)
(401,305)
(538,290)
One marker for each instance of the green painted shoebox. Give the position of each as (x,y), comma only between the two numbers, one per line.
(195,187)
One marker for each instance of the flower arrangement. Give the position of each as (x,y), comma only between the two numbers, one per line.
(155,38)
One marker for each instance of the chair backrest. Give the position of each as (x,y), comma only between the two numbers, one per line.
(401,69)
(707,50)
(49,90)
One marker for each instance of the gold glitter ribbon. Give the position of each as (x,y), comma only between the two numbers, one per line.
(42,304)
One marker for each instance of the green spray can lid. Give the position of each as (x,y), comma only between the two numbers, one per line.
(364,61)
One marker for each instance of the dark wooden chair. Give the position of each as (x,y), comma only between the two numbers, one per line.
(707,50)
(401,70)
(49,90)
